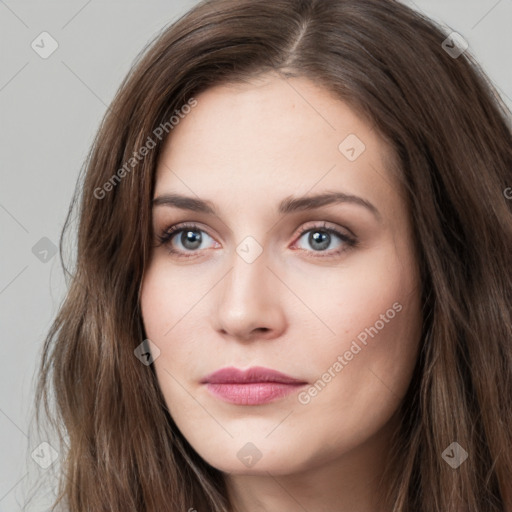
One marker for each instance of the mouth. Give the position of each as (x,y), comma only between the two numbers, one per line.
(254,386)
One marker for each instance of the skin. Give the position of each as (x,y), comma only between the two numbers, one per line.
(295,308)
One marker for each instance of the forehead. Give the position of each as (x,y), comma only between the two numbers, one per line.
(269,139)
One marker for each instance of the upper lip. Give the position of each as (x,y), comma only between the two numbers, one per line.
(233,375)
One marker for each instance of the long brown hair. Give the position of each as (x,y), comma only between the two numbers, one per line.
(451,136)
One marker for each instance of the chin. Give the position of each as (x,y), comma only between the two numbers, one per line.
(258,458)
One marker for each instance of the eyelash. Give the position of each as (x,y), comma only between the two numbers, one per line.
(167,235)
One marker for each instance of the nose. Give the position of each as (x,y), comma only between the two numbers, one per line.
(247,305)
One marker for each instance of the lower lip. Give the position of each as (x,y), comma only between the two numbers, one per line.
(253,393)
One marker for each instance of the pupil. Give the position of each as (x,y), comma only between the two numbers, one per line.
(191,237)
(321,238)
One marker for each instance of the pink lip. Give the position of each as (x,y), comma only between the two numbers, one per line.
(254,386)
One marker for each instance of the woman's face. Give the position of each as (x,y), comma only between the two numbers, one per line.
(300,260)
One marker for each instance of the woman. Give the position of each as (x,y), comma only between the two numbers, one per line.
(292,288)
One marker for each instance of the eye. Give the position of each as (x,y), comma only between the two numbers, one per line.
(321,237)
(189,236)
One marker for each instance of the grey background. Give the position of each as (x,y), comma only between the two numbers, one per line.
(50,110)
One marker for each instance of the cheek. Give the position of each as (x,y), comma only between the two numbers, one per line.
(372,309)
(168,295)
(170,304)
(363,376)
(153,305)
(378,286)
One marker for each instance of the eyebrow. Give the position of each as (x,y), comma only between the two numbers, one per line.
(286,206)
